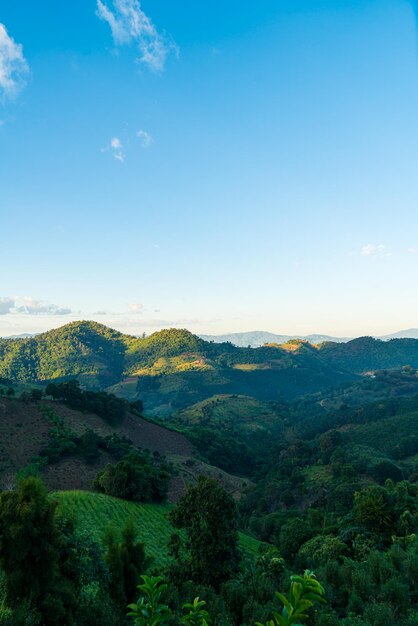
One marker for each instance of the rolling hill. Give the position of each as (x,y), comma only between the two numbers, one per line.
(168,370)
(173,369)
(232,413)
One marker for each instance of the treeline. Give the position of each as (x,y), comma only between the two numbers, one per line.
(105,405)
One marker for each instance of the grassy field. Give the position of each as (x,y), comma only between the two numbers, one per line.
(94,512)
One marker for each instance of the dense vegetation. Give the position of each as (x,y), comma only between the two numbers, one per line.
(330,481)
(172,369)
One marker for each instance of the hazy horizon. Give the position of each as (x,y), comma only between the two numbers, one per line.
(121,326)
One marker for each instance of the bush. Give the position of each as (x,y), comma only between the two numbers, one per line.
(133,478)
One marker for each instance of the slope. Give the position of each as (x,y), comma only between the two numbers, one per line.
(94,512)
(27,429)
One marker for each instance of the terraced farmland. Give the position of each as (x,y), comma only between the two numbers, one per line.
(94,512)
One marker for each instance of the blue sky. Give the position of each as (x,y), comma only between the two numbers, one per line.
(220,166)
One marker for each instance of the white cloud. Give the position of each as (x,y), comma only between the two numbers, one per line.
(116,148)
(115,143)
(6,305)
(135,307)
(130,25)
(145,138)
(375,250)
(13,65)
(30,306)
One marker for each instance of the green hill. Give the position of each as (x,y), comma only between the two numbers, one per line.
(368,354)
(88,350)
(173,369)
(168,370)
(232,413)
(94,512)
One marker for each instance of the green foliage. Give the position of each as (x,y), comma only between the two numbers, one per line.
(93,512)
(134,478)
(79,348)
(230,431)
(126,561)
(30,553)
(195,614)
(106,405)
(374,510)
(209,554)
(321,549)
(150,610)
(305,593)
(292,535)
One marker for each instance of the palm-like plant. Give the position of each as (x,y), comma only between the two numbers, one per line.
(196,614)
(305,592)
(149,610)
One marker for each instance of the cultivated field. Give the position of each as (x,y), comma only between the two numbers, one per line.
(93,512)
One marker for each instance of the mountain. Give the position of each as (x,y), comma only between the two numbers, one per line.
(168,370)
(173,369)
(411,333)
(21,336)
(257,338)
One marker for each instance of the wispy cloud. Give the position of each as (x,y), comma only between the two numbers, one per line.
(13,65)
(30,306)
(131,26)
(135,307)
(145,138)
(119,149)
(115,147)
(375,250)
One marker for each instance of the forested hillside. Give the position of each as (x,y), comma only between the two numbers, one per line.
(172,369)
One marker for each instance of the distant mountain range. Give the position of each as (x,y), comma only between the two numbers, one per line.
(258,338)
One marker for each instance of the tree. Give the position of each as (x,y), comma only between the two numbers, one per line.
(209,554)
(373,509)
(133,478)
(292,535)
(30,553)
(126,560)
